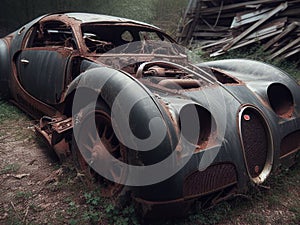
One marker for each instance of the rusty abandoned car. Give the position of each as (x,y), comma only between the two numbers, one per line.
(181,132)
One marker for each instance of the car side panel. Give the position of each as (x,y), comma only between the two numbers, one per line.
(42,73)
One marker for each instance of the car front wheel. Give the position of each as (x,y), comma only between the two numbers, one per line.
(91,146)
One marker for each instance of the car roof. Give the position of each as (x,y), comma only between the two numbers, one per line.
(94,18)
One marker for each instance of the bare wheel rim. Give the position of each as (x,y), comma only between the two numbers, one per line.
(93,144)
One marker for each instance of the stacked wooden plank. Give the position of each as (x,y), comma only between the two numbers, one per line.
(218,26)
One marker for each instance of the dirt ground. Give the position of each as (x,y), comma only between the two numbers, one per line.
(30,177)
(35,187)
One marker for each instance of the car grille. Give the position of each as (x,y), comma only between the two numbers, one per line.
(214,178)
(255,139)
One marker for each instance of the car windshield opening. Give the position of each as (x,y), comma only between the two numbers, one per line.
(102,38)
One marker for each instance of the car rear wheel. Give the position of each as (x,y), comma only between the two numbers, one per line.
(90,147)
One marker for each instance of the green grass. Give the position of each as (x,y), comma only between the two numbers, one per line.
(10,168)
(295,208)
(93,209)
(23,195)
(9,112)
(14,124)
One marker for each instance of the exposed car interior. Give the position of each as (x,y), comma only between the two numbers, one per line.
(54,33)
(101,38)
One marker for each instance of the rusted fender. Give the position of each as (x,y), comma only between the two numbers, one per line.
(126,97)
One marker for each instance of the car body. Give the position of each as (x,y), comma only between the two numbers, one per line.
(247,121)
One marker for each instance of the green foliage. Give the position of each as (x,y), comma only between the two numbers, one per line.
(23,195)
(10,168)
(142,10)
(72,207)
(296,210)
(89,213)
(168,14)
(92,198)
(92,213)
(118,216)
(165,13)
(91,216)
(101,208)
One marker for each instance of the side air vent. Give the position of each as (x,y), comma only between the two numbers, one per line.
(198,126)
(281,100)
(216,177)
(257,143)
(290,144)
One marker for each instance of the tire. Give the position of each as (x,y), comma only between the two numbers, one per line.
(86,149)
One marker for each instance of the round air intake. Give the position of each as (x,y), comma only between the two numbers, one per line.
(281,100)
(257,143)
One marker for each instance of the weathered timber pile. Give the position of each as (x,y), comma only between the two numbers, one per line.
(221,25)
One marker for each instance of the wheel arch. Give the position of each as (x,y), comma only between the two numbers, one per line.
(114,87)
